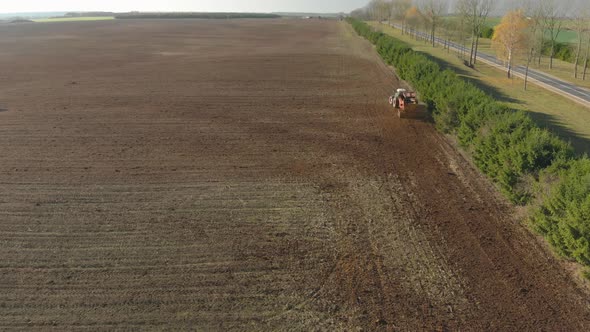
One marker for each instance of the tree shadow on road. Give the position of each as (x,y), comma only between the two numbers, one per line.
(580,144)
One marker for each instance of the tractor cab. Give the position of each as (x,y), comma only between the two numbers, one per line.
(406,104)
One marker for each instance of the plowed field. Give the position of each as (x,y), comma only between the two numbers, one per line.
(248,174)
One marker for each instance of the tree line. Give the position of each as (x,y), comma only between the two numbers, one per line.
(181,15)
(530,165)
(527,34)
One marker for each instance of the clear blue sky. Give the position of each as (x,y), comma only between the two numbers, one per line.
(14,6)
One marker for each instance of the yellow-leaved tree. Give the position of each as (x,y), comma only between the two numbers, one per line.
(511,37)
(414,18)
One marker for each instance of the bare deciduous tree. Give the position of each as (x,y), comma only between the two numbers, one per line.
(360,13)
(414,18)
(376,10)
(553,19)
(587,51)
(451,31)
(399,9)
(475,12)
(463,31)
(535,32)
(580,24)
(433,11)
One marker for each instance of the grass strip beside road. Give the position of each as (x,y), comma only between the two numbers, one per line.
(557,113)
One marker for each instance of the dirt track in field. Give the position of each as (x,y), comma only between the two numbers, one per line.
(245,175)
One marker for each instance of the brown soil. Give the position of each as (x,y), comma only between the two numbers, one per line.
(245,175)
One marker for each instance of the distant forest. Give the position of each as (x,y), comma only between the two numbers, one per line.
(139,15)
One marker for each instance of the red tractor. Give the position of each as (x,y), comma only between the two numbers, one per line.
(406,104)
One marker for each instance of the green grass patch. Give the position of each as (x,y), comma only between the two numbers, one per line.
(568,36)
(493,21)
(74,19)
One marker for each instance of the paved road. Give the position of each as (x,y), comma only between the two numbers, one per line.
(576,93)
